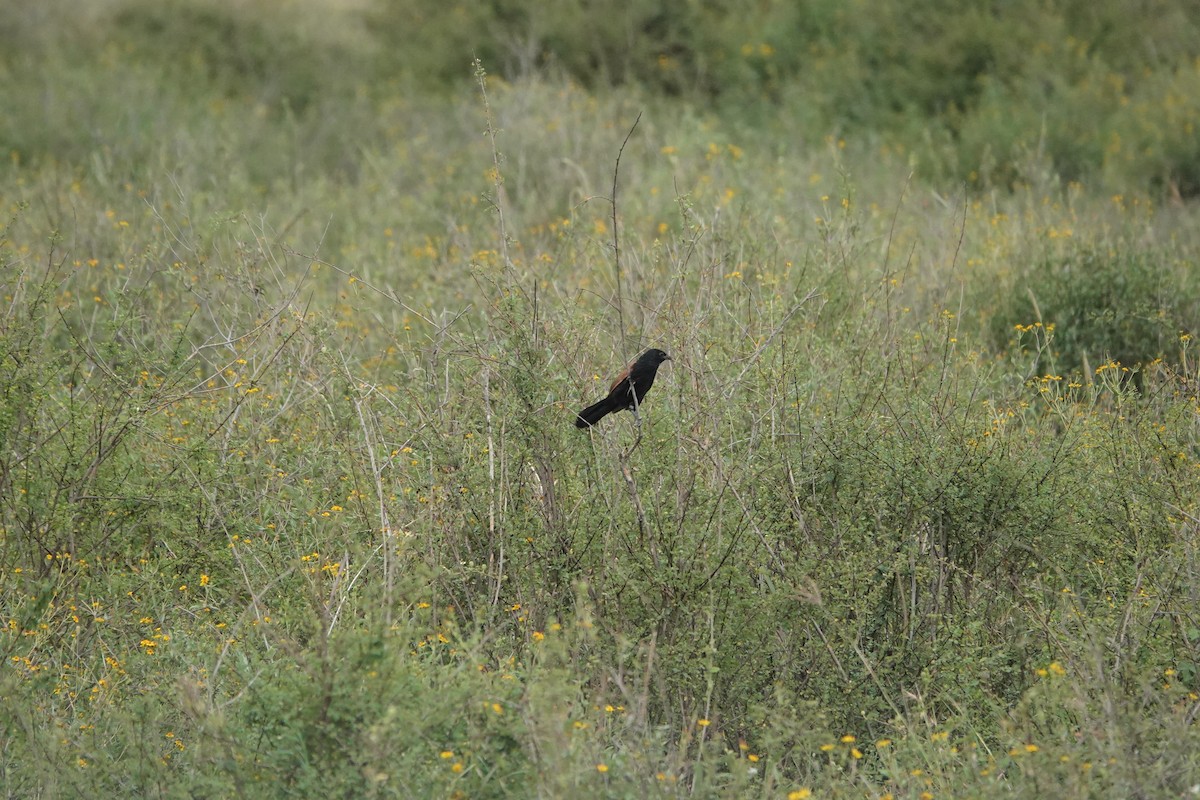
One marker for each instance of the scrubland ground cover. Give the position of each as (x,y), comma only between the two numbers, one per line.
(298,306)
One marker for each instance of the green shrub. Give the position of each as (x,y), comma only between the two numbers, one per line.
(1101,305)
(272,63)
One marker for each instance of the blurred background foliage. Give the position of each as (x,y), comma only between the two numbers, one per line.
(983,91)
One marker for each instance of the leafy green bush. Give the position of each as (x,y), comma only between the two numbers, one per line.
(1101,305)
(272,63)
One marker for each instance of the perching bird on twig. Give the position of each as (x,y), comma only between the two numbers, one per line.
(627,391)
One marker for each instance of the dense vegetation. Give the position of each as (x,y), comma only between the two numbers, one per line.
(297,305)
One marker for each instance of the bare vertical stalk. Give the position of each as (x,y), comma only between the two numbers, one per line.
(487,414)
(497,159)
(617,241)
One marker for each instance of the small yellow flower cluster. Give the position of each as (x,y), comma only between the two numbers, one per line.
(1054,669)
(1028,748)
(848,745)
(762,50)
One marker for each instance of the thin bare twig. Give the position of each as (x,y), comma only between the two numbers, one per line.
(617,241)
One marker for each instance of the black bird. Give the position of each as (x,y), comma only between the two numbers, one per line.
(627,390)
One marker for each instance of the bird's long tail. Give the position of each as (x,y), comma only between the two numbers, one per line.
(593,414)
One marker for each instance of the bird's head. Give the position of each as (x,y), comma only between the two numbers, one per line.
(655,356)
